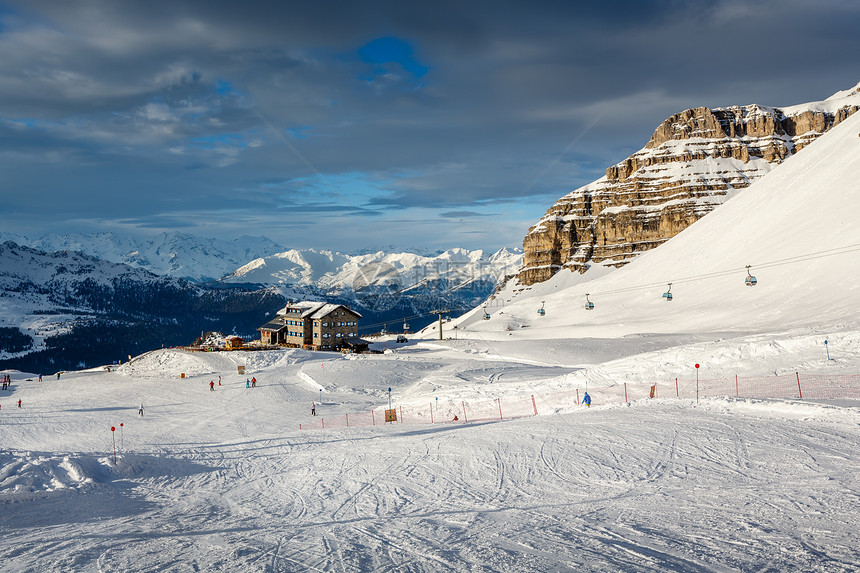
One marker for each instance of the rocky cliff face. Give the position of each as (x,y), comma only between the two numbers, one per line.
(695,160)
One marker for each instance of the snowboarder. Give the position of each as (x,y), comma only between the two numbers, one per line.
(313,409)
(456,419)
(58,375)
(253,382)
(40,376)
(587,400)
(211,385)
(247,383)
(140,412)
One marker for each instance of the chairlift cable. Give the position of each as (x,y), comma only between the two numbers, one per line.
(770,264)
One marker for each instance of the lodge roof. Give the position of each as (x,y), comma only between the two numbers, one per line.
(315,310)
(275,325)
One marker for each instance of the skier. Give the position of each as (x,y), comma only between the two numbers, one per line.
(313,409)
(211,385)
(247,383)
(40,376)
(58,375)
(253,382)
(219,380)
(587,400)
(19,402)
(140,412)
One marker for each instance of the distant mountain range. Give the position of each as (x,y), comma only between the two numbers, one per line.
(179,255)
(97,298)
(66,309)
(447,275)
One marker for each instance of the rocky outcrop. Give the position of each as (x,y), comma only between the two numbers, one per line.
(695,160)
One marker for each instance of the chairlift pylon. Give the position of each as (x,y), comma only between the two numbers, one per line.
(541,310)
(750,280)
(668,294)
(588,304)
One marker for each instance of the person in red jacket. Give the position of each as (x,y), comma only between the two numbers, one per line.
(212,385)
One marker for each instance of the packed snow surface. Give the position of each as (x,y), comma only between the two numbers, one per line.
(223,479)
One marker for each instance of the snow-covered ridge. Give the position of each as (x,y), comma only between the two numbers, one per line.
(336,271)
(180,255)
(261,261)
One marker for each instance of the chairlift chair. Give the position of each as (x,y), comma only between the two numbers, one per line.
(750,280)
(668,294)
(541,310)
(588,304)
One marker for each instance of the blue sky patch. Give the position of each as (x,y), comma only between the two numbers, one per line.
(223,87)
(392,50)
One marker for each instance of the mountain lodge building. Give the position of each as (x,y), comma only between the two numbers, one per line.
(312,325)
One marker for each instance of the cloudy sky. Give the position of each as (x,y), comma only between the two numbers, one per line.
(352,125)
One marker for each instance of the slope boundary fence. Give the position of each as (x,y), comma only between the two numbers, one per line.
(794,386)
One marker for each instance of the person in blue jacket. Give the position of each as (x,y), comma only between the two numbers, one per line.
(587,400)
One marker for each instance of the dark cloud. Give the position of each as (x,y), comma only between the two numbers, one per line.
(162,112)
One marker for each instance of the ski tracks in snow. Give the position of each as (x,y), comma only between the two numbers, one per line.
(657,486)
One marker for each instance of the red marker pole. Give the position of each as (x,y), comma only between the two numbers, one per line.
(697,383)
(121,438)
(113,435)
